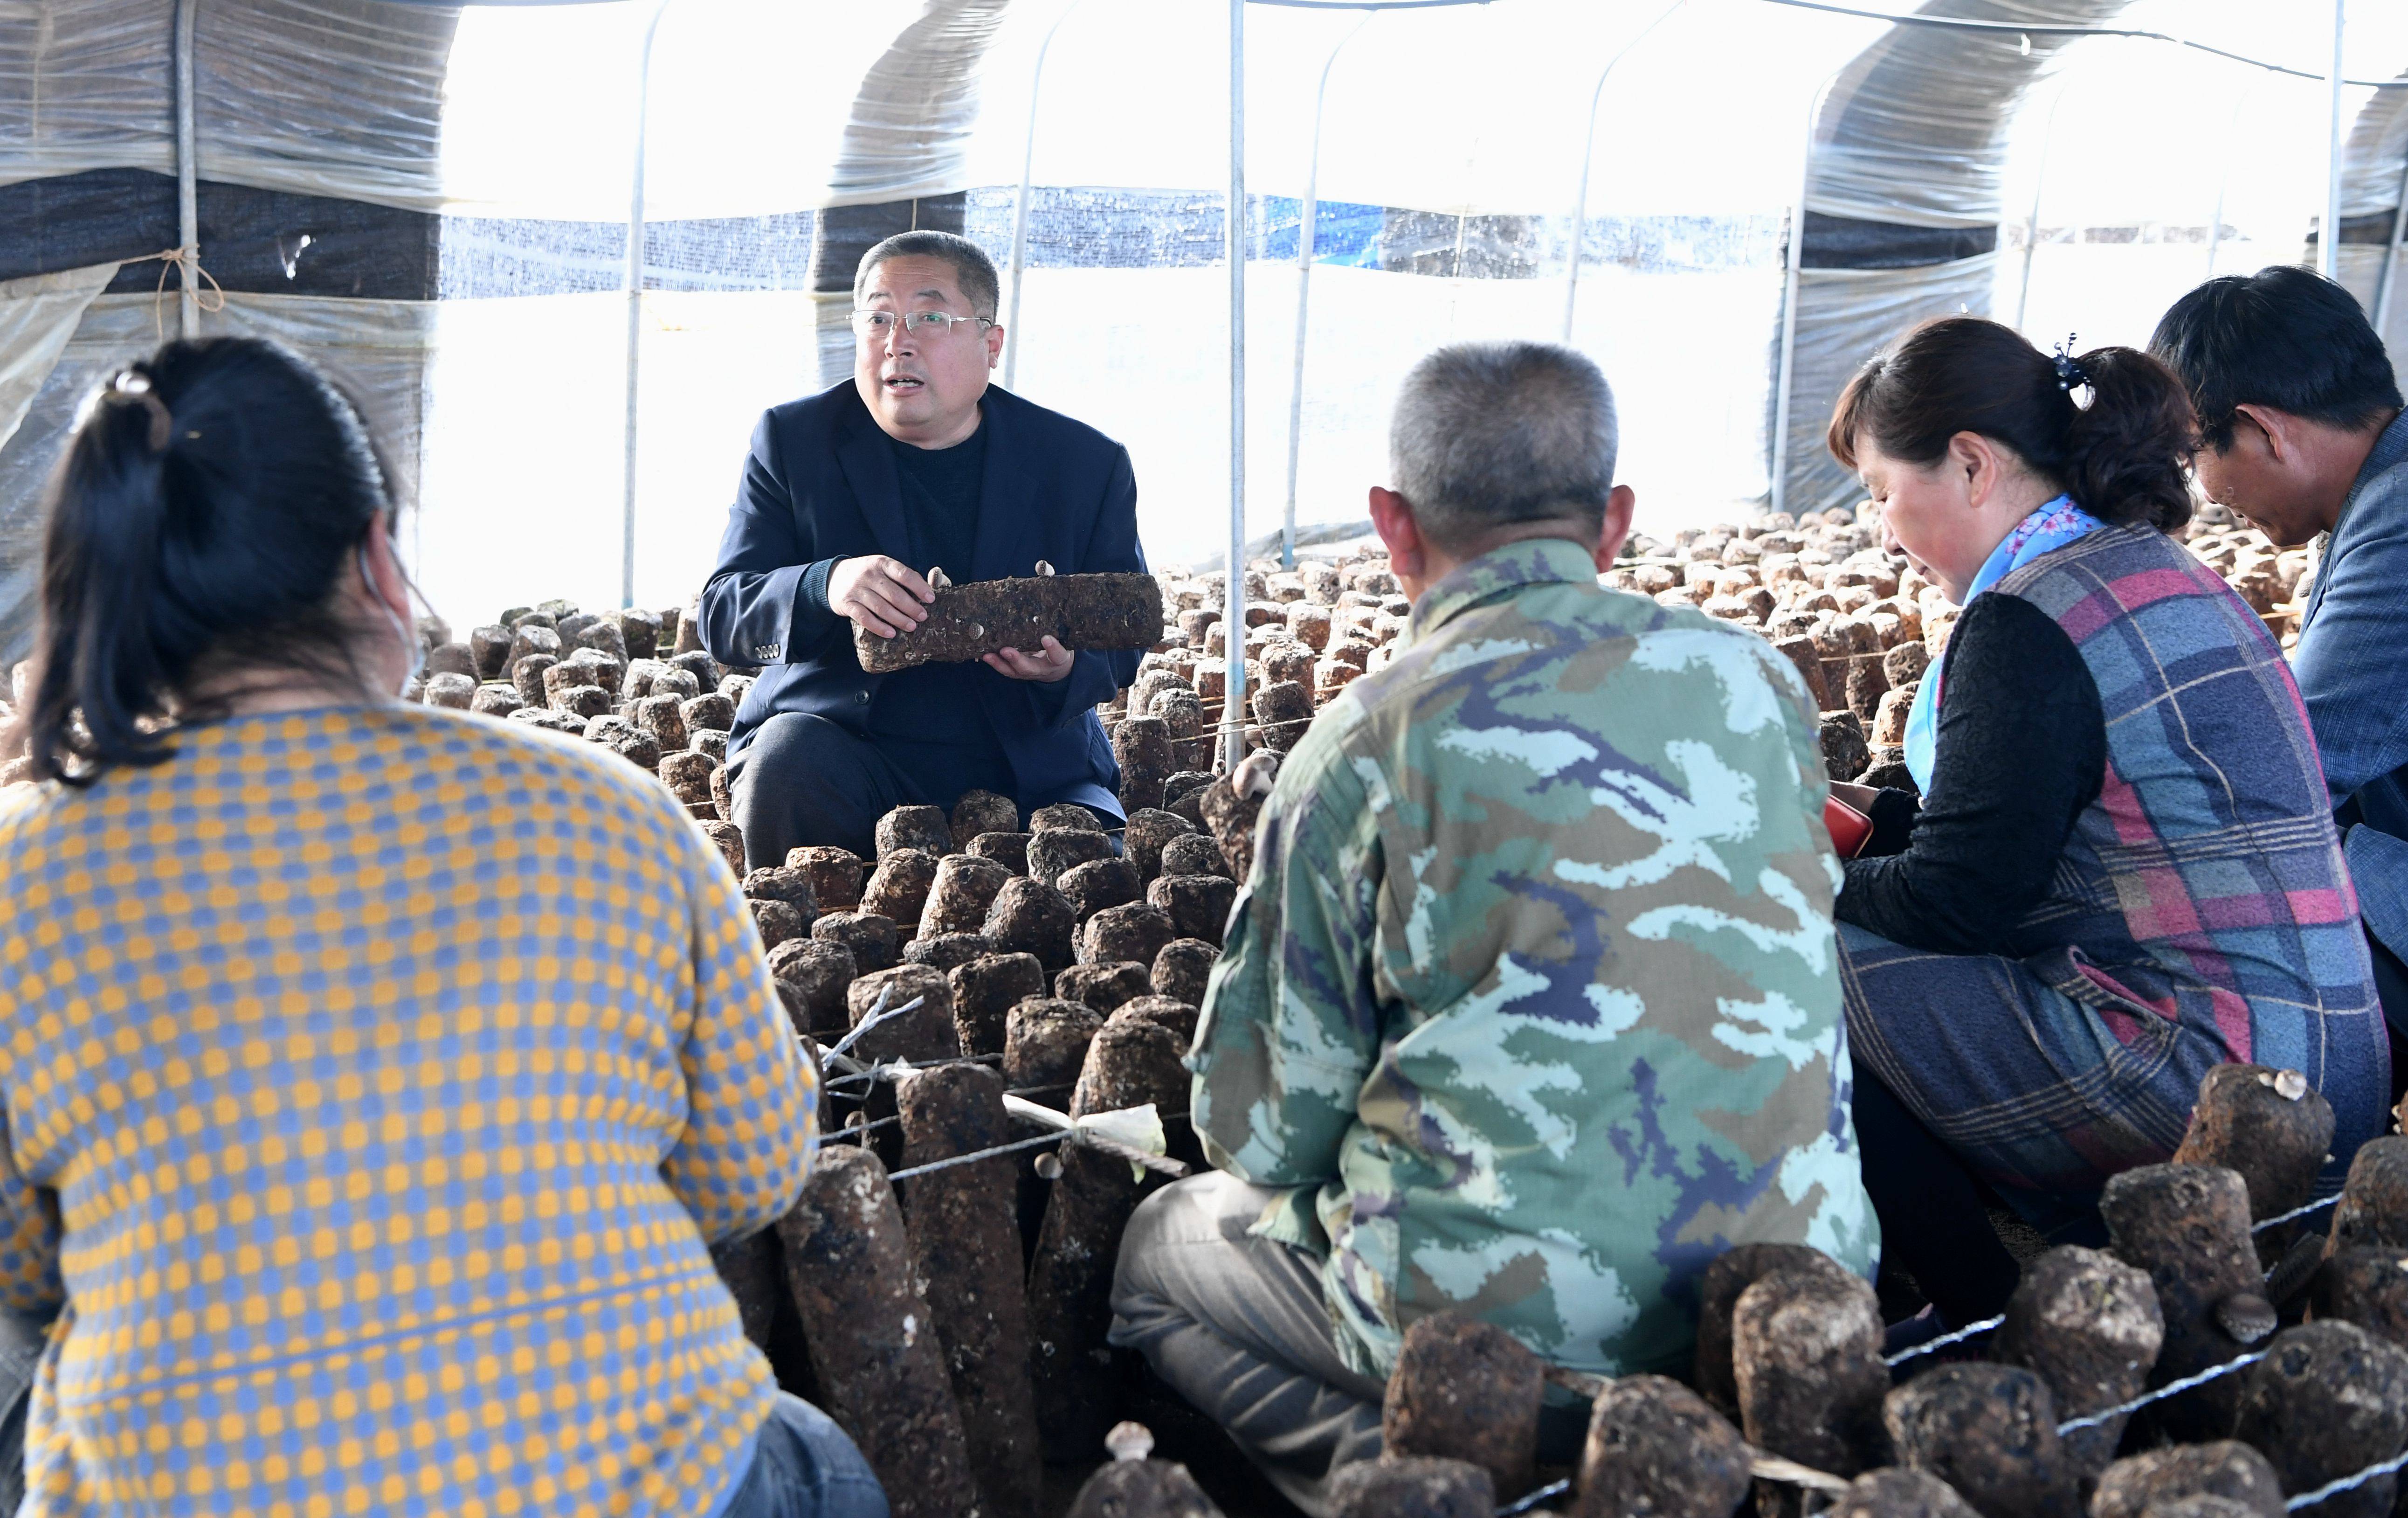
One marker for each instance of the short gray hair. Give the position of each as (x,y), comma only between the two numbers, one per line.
(972,269)
(1489,434)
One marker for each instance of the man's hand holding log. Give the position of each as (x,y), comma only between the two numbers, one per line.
(887,597)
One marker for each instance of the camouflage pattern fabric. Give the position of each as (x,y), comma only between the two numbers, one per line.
(1533,997)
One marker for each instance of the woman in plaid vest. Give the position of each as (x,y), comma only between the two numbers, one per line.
(2122,870)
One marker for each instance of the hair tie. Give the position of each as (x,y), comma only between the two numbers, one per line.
(2070,375)
(135,385)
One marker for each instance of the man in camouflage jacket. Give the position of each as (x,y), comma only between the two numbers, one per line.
(1531,1006)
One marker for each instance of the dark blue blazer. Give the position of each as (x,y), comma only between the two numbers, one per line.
(821,485)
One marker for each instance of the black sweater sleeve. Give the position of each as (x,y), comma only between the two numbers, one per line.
(2022,752)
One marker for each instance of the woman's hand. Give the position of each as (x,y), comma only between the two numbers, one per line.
(1860,797)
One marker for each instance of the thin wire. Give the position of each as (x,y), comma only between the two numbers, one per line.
(1968,1331)
(2295,1213)
(889,1071)
(2172,1388)
(2345,1484)
(2061,29)
(1553,1489)
(877,1015)
(1365,4)
(975,1155)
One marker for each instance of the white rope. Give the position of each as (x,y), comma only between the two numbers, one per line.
(1968,1331)
(2172,1388)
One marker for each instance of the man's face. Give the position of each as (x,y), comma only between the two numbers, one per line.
(923,385)
(2265,490)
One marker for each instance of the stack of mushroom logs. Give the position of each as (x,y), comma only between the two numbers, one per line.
(958,1333)
(2240,1360)
(1862,625)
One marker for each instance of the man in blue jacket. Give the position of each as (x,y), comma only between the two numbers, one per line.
(850,501)
(2304,434)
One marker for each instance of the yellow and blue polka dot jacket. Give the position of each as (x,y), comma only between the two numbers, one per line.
(373,1080)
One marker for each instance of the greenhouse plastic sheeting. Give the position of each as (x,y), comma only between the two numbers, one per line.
(38,315)
(2376,153)
(1844,317)
(1915,128)
(376,349)
(911,119)
(323,97)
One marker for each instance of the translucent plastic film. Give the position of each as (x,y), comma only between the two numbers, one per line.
(84,86)
(1915,127)
(375,350)
(38,315)
(1844,317)
(2376,155)
(326,97)
(911,117)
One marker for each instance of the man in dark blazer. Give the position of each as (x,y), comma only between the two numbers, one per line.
(2304,434)
(849,500)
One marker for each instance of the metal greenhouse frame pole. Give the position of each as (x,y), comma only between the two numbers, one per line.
(188,214)
(1233,600)
(635,277)
(2329,244)
(1304,241)
(2031,218)
(2389,278)
(2224,172)
(1020,202)
(1588,157)
(1789,301)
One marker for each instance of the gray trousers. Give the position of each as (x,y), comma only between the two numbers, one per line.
(1236,1326)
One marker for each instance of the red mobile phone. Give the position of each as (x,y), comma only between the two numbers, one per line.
(1849,829)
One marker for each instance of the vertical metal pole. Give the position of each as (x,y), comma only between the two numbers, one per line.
(2224,172)
(2390,279)
(1588,156)
(2031,220)
(1304,240)
(1233,705)
(2329,244)
(1789,305)
(188,211)
(1019,203)
(635,277)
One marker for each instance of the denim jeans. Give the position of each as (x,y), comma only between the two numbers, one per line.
(805,1466)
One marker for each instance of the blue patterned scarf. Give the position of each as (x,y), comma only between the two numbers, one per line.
(2052,527)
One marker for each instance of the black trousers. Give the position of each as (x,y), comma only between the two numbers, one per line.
(803,781)
(1934,1213)
(2391,990)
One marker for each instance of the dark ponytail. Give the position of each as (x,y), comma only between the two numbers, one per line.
(2124,457)
(198,527)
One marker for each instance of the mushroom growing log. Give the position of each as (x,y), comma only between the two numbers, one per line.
(1090,612)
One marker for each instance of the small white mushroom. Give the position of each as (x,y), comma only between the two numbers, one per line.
(977,629)
(1048,1167)
(1044,571)
(1129,1441)
(939,579)
(1255,773)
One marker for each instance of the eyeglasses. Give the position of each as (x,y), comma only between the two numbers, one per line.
(916,324)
